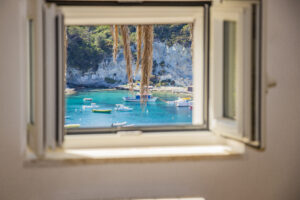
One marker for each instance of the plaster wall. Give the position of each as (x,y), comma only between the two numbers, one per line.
(269,175)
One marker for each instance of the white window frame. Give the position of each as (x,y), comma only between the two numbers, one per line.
(241,128)
(100,15)
(241,15)
(209,138)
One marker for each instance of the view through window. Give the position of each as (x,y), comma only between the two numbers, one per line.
(99,91)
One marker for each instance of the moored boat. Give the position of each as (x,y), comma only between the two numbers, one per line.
(102,110)
(121,107)
(118,124)
(183,103)
(93,105)
(87,99)
(72,126)
(137,97)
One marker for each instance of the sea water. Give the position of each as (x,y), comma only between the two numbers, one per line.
(152,114)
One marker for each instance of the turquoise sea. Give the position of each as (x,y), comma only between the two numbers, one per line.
(154,113)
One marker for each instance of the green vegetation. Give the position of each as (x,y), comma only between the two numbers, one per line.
(90,45)
(172,34)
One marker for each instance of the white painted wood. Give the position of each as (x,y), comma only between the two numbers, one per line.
(50,76)
(240,128)
(61,77)
(36,129)
(97,15)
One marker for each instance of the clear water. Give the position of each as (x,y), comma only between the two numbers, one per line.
(154,113)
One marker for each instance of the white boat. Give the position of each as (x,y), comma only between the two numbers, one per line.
(121,107)
(137,97)
(118,124)
(93,105)
(87,99)
(183,102)
(129,125)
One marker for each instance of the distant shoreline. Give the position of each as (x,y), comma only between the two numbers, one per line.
(169,89)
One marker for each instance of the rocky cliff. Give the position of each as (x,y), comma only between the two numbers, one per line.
(171,66)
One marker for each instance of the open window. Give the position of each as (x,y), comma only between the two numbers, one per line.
(226,71)
(236,71)
(176,67)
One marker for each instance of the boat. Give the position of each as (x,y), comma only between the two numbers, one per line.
(118,124)
(183,102)
(129,125)
(137,97)
(93,105)
(72,126)
(101,110)
(121,107)
(69,91)
(87,99)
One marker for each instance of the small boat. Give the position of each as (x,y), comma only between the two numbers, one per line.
(129,125)
(87,99)
(183,102)
(121,107)
(72,126)
(118,124)
(101,110)
(93,105)
(138,98)
(85,107)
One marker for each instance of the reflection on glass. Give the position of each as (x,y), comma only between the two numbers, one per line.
(229,64)
(97,92)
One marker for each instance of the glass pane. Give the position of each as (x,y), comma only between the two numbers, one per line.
(98,94)
(229,59)
(31,70)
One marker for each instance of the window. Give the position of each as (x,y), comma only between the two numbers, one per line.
(229,77)
(162,16)
(236,71)
(227,80)
(99,93)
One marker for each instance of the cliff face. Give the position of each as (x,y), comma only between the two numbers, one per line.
(171,66)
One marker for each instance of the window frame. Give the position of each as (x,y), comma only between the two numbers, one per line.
(127,139)
(249,126)
(158,13)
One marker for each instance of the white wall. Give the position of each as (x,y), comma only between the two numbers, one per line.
(270,175)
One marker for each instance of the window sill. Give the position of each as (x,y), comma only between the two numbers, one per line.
(89,149)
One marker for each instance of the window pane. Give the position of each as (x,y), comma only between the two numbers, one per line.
(31,71)
(98,94)
(229,59)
